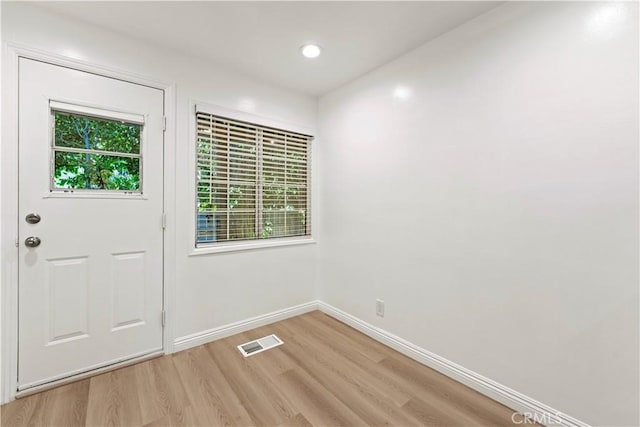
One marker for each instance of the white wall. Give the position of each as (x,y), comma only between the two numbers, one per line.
(211,290)
(493,202)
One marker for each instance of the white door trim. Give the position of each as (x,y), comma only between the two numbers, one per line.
(9,200)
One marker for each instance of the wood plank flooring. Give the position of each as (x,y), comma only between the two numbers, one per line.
(325,374)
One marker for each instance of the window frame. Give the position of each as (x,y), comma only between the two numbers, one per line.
(259,121)
(100,114)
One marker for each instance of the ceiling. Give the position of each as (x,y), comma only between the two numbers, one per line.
(262,39)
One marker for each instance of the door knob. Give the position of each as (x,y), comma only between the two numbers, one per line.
(32,218)
(32,241)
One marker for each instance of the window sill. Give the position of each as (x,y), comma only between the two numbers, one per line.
(251,245)
(97,194)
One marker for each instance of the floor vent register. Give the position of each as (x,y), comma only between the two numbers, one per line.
(259,345)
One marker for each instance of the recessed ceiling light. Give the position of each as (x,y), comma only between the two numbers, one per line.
(402,92)
(310,50)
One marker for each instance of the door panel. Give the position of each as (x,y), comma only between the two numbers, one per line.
(67,282)
(128,289)
(90,164)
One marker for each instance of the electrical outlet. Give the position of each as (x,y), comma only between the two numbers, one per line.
(380,307)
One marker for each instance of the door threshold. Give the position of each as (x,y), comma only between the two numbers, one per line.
(81,376)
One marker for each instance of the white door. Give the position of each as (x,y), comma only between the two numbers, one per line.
(90,221)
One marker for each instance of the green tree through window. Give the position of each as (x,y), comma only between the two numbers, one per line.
(252,181)
(94,153)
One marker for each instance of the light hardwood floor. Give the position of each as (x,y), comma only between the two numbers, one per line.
(326,373)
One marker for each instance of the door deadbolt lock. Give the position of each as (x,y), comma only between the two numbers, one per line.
(32,218)
(32,242)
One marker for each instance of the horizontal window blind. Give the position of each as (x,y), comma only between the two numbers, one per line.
(252,181)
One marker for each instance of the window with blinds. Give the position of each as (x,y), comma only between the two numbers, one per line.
(252,181)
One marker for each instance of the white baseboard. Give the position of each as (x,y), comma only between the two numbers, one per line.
(204,337)
(535,410)
(520,403)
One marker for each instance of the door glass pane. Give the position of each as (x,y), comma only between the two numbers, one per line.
(96,172)
(91,133)
(91,153)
